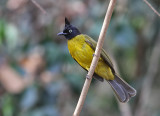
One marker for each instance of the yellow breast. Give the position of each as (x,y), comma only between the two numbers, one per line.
(80,51)
(83,54)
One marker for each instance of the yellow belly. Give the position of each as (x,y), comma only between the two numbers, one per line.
(83,54)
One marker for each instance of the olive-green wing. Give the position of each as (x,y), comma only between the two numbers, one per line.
(103,54)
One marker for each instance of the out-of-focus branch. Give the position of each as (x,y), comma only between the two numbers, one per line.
(15,4)
(153,69)
(95,58)
(155,11)
(39,6)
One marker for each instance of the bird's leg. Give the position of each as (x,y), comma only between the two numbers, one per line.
(87,76)
(94,54)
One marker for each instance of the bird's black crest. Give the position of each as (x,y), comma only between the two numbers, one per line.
(66,21)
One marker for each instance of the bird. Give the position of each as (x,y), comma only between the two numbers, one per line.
(82,48)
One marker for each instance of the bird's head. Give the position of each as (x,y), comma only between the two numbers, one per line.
(69,30)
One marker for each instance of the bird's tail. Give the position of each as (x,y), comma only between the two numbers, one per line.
(122,89)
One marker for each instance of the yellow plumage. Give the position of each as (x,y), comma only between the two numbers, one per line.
(83,54)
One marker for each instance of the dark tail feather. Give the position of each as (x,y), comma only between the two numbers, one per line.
(122,89)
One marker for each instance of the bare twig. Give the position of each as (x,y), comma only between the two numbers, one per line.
(147,84)
(152,7)
(95,58)
(39,6)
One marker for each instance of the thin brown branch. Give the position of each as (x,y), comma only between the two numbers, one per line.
(153,69)
(155,11)
(95,58)
(39,6)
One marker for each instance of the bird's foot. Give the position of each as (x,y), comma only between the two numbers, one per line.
(94,55)
(87,76)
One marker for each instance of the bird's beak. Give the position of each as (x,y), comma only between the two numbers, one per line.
(61,33)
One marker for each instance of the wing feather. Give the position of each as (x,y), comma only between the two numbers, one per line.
(103,55)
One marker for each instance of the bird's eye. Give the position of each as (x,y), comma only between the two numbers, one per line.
(70,31)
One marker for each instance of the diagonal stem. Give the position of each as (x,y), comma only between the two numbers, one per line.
(38,6)
(95,58)
(154,10)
